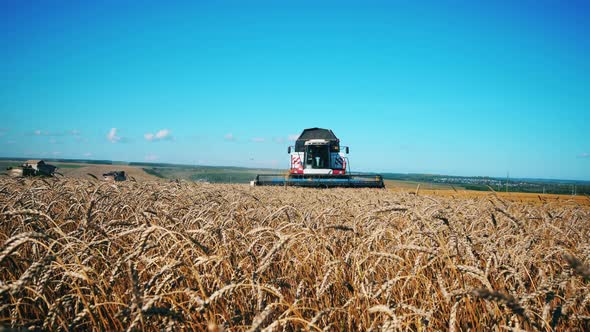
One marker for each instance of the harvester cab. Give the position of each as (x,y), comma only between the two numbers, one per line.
(317,161)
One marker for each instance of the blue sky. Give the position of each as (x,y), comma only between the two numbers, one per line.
(459,87)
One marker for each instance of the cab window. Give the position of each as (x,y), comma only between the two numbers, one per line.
(317,156)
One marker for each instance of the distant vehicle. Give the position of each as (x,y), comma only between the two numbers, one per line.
(114,176)
(317,161)
(37,168)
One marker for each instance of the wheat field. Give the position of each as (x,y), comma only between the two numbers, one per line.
(82,254)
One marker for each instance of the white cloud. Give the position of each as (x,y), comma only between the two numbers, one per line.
(293,137)
(279,140)
(87,154)
(229,137)
(56,153)
(112,136)
(151,157)
(258,140)
(584,155)
(162,134)
(39,132)
(52,141)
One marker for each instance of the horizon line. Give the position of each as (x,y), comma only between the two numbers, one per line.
(270,168)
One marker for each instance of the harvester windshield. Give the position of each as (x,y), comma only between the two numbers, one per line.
(317,156)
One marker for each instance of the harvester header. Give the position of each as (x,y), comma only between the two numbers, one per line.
(317,160)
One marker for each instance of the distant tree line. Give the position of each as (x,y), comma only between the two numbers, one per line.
(488,183)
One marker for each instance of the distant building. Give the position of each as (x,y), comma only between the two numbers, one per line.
(114,176)
(37,167)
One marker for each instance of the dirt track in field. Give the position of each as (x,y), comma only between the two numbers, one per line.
(98,170)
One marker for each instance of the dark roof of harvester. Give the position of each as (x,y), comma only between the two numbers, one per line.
(317,133)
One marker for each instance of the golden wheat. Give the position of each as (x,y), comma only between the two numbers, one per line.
(81,254)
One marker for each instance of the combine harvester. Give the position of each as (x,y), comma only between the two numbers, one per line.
(317,161)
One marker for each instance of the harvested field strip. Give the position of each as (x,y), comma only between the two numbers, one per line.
(81,254)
